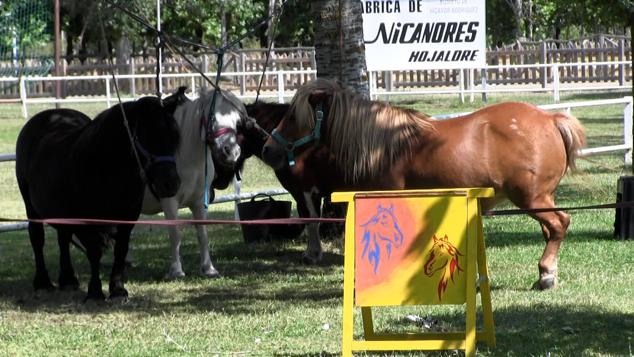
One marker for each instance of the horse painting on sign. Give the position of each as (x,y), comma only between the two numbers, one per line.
(381,231)
(443,257)
(518,149)
(205,145)
(68,166)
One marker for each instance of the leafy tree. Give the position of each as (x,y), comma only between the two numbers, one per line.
(560,19)
(500,29)
(205,27)
(27,22)
(295,25)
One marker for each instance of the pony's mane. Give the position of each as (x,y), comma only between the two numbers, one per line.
(206,95)
(367,137)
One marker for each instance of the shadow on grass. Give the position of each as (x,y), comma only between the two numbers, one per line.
(540,330)
(317,354)
(617,93)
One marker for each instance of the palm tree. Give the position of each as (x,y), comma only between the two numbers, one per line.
(339,47)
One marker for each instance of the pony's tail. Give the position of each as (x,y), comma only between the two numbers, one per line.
(573,134)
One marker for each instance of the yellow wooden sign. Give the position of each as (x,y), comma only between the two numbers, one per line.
(414,247)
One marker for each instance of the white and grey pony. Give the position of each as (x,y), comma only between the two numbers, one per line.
(203,137)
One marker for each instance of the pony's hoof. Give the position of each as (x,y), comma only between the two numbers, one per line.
(545,282)
(68,283)
(311,259)
(118,295)
(210,273)
(175,275)
(95,296)
(69,287)
(43,284)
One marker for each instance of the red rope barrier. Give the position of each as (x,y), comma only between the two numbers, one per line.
(175,222)
(194,222)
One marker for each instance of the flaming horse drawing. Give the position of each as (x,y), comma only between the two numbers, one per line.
(382,230)
(443,257)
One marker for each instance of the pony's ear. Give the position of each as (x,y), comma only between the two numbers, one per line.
(435,238)
(182,98)
(445,238)
(170,103)
(249,123)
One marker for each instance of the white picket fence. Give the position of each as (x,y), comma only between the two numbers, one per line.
(467,86)
(285,89)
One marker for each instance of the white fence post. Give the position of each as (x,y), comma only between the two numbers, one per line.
(483,80)
(243,78)
(108,92)
(471,84)
(461,84)
(280,87)
(25,113)
(371,85)
(627,131)
(132,80)
(555,69)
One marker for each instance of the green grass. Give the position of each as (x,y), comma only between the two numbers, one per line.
(266,303)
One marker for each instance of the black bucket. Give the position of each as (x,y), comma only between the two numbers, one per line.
(267,208)
(624,218)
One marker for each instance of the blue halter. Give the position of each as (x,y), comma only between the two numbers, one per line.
(290,146)
(151,158)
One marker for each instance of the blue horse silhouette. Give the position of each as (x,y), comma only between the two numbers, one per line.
(382,230)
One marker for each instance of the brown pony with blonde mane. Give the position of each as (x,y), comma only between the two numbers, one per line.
(358,137)
(518,149)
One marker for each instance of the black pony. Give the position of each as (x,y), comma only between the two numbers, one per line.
(68,166)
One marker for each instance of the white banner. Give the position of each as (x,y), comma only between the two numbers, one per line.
(424,34)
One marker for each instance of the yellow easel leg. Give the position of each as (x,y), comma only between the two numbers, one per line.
(368,324)
(348,286)
(470,331)
(485,288)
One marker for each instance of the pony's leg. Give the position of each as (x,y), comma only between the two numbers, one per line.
(170,208)
(67,279)
(313,253)
(117,275)
(332,210)
(554,226)
(92,243)
(206,266)
(36,235)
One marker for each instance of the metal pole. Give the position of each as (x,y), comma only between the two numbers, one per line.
(58,48)
(160,51)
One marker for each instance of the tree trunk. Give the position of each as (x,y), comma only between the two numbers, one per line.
(339,47)
(124,55)
(269,24)
(223,25)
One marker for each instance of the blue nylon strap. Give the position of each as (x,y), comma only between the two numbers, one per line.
(290,146)
(206,190)
(153,158)
(211,118)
